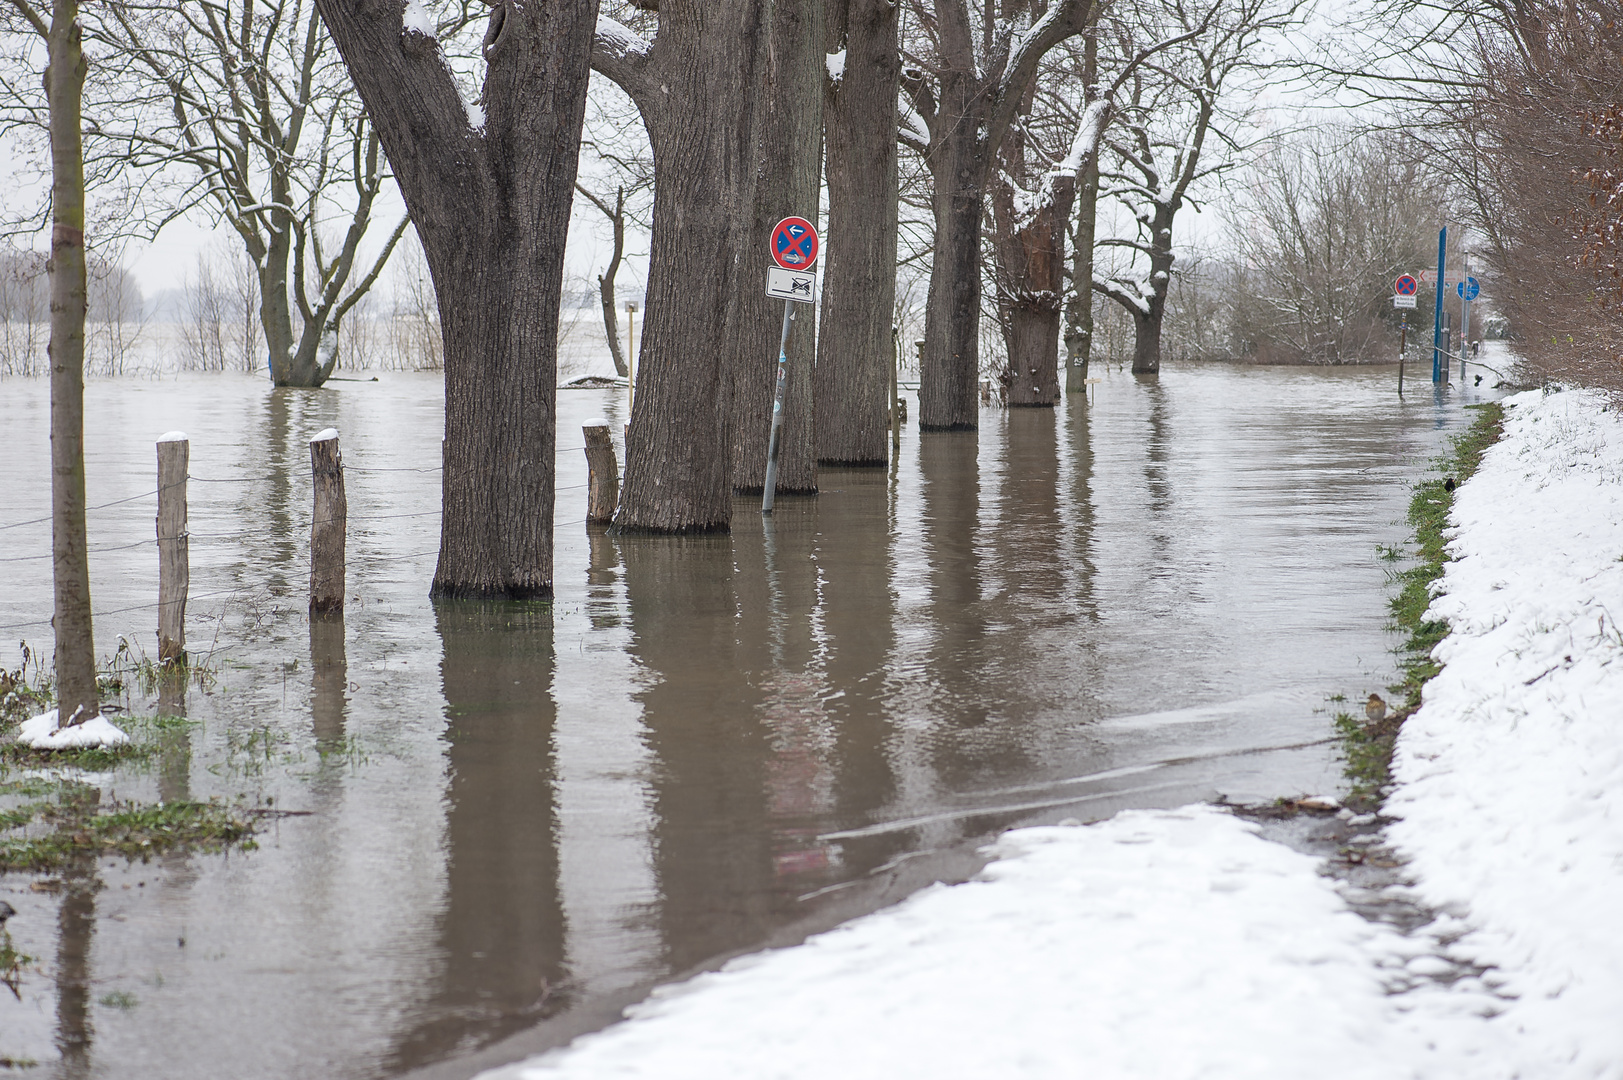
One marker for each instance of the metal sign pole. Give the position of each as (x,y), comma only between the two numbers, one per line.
(1437,318)
(771,486)
(1403,343)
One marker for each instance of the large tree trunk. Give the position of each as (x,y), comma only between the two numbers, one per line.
(1029,246)
(77,699)
(787,131)
(491,205)
(1147,323)
(851,384)
(692,93)
(950,365)
(1079,303)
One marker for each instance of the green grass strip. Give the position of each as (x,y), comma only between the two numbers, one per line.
(1368,747)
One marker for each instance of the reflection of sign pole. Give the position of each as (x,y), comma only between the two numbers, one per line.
(1403,343)
(794,248)
(1437,315)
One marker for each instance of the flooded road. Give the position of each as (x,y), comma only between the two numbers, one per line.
(520,813)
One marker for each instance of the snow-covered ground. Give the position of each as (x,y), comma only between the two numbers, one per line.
(1182,943)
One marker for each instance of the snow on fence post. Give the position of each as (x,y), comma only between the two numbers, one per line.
(327,525)
(603,480)
(174,546)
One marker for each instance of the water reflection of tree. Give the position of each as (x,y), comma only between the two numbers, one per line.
(76,928)
(854,554)
(964,688)
(712,849)
(501,935)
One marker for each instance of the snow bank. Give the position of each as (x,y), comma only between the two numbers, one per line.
(41,733)
(1181,944)
(1511,774)
(1160,944)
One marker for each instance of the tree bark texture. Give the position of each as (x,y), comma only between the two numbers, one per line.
(491,205)
(787,130)
(602,475)
(1029,247)
(77,698)
(1147,323)
(174,554)
(850,385)
(1079,303)
(692,86)
(949,367)
(328,522)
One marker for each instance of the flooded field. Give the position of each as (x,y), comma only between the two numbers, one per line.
(512,815)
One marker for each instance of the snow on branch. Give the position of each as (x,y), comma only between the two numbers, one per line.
(1088,133)
(912,128)
(622,42)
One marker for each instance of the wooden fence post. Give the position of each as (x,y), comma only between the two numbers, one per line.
(327,525)
(174,546)
(603,473)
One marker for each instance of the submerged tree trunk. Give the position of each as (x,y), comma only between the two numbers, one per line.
(691,86)
(949,367)
(1033,284)
(491,204)
(1030,217)
(787,132)
(1079,302)
(1147,322)
(851,383)
(976,93)
(77,698)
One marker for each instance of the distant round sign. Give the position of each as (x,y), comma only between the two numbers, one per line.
(1468,289)
(1406,285)
(794,244)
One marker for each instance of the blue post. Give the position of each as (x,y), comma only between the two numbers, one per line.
(1437,318)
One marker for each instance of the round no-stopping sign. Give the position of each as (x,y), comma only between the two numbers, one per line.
(1406,285)
(794,244)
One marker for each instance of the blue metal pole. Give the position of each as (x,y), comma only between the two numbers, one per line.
(1437,317)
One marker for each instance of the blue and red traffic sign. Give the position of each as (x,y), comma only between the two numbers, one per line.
(1406,285)
(794,244)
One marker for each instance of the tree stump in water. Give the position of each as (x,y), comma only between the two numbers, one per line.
(327,525)
(603,479)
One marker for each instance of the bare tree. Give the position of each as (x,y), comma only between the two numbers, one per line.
(1175,129)
(617,179)
(1540,145)
(970,73)
(207,308)
(239,110)
(489,188)
(77,697)
(1325,226)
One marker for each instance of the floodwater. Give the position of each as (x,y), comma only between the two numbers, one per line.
(512,815)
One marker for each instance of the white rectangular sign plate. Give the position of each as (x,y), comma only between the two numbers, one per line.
(1404,302)
(797,285)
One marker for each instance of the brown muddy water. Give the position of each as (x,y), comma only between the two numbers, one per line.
(517,814)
